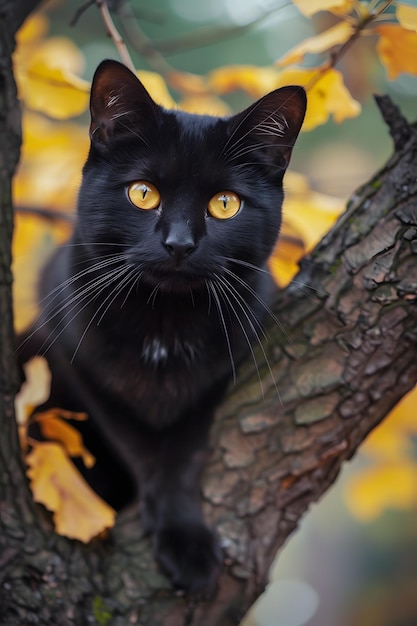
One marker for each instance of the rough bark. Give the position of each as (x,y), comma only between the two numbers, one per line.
(347,356)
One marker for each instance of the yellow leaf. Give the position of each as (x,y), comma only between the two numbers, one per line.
(53,91)
(392,440)
(191,84)
(33,29)
(50,169)
(397,49)
(78,512)
(407,16)
(36,388)
(204,105)
(326,95)
(157,87)
(310,7)
(289,250)
(392,485)
(54,428)
(47,78)
(307,216)
(333,36)
(256,81)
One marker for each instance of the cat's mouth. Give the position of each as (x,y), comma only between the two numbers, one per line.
(175,280)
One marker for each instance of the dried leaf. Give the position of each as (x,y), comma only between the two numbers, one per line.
(78,512)
(333,36)
(54,428)
(397,49)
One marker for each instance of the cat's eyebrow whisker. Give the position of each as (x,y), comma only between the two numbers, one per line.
(211,287)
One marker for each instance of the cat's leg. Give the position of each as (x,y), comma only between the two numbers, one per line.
(171,468)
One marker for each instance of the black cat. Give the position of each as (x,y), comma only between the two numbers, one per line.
(147,311)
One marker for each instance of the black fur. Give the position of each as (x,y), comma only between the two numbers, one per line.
(146,313)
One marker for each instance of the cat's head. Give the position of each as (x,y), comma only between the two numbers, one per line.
(184,194)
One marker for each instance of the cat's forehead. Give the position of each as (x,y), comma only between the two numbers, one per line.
(190,130)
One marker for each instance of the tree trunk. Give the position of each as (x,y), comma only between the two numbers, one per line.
(347,356)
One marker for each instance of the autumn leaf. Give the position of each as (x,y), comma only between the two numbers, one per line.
(204,105)
(393,485)
(310,7)
(256,81)
(53,90)
(326,95)
(397,49)
(157,88)
(54,428)
(407,16)
(333,36)
(78,512)
(307,216)
(32,30)
(390,478)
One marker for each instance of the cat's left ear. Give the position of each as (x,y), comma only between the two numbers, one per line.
(119,103)
(270,126)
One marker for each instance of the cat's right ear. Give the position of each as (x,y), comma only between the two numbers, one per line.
(119,103)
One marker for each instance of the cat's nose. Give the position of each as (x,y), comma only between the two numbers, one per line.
(179,246)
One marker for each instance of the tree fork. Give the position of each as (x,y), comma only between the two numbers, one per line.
(346,358)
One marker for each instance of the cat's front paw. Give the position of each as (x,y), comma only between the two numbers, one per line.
(189,555)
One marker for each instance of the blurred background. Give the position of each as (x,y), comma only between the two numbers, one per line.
(354,558)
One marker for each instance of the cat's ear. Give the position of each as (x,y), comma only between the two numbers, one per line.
(119,103)
(270,126)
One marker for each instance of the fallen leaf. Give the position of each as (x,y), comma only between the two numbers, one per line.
(54,428)
(78,512)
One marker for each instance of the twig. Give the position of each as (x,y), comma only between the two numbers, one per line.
(78,13)
(336,56)
(400,129)
(115,35)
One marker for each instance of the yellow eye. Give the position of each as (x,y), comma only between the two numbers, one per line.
(144,195)
(224,205)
